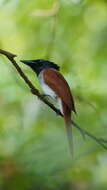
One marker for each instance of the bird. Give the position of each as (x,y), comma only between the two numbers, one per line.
(55,85)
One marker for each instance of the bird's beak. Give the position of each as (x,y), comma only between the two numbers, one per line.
(27,62)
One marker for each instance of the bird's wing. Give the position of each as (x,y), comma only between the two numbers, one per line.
(59,85)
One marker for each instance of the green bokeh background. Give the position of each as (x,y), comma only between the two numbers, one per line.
(33,145)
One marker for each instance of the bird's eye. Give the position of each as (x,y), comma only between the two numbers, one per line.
(40,61)
(40,64)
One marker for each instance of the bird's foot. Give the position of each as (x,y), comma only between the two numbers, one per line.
(45,95)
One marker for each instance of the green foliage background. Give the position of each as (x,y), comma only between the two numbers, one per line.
(33,145)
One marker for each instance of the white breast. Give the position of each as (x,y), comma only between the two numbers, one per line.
(47,90)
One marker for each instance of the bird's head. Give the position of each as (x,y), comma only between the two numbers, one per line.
(39,64)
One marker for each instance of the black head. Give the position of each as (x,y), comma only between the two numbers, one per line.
(40,64)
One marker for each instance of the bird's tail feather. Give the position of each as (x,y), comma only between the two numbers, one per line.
(70,137)
(67,118)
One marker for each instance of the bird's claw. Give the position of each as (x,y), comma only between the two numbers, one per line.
(45,95)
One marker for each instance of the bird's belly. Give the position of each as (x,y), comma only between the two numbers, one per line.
(48,91)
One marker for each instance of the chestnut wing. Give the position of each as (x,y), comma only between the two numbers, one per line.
(59,85)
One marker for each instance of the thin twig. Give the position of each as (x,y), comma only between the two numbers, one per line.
(34,91)
(100,141)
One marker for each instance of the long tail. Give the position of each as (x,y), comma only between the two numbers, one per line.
(67,119)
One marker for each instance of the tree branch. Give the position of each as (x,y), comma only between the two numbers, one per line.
(34,91)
